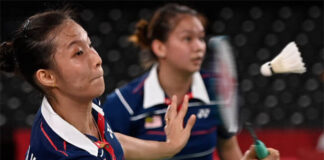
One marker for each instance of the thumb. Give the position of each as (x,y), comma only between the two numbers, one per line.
(190,123)
(250,154)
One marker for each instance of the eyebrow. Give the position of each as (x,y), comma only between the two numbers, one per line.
(190,31)
(76,41)
(73,43)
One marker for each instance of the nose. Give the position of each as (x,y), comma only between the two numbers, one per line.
(199,45)
(97,61)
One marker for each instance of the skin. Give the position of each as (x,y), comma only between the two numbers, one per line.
(251,154)
(176,136)
(179,58)
(76,77)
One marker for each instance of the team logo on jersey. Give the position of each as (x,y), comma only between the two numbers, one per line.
(31,155)
(154,121)
(109,130)
(203,113)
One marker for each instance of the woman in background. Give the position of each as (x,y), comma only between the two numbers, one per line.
(54,54)
(175,42)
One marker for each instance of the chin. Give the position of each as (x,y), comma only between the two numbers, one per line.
(96,94)
(98,90)
(195,68)
(101,90)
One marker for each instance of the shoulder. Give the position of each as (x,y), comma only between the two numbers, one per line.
(130,93)
(44,143)
(206,75)
(135,86)
(209,78)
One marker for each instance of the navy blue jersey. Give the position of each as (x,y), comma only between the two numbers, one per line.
(53,138)
(138,110)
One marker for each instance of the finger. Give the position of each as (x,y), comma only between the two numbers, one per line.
(274,153)
(165,128)
(190,123)
(251,154)
(277,153)
(173,108)
(184,107)
(166,116)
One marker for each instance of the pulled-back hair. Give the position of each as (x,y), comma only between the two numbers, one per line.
(32,47)
(164,20)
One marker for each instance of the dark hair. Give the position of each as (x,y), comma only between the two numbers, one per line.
(164,20)
(32,48)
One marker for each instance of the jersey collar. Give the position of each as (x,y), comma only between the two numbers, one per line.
(66,131)
(154,94)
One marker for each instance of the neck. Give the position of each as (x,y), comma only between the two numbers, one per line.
(174,82)
(76,112)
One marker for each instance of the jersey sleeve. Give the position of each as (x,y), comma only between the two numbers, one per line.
(116,114)
(45,144)
(222,132)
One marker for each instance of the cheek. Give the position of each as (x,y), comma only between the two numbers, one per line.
(204,52)
(204,47)
(71,76)
(180,51)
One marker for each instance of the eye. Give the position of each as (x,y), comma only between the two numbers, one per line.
(80,52)
(188,39)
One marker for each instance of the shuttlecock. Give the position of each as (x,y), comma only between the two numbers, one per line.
(288,61)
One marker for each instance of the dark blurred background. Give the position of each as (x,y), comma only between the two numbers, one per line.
(258,31)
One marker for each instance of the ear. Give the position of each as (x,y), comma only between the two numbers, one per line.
(45,78)
(159,48)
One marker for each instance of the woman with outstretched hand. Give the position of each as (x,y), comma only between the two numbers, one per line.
(54,54)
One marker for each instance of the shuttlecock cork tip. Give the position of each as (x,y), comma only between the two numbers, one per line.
(266,69)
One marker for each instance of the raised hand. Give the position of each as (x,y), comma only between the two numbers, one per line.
(177,134)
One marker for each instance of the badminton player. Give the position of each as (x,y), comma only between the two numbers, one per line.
(54,54)
(174,42)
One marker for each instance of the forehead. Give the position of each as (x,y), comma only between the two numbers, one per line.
(68,32)
(188,23)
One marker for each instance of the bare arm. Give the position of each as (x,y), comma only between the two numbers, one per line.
(177,136)
(229,149)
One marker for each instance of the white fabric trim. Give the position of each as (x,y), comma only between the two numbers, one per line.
(154,94)
(27,153)
(124,102)
(66,131)
(198,88)
(143,115)
(98,109)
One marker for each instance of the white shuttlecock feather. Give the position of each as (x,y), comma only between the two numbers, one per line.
(287,61)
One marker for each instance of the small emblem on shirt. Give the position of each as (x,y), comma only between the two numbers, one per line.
(203,113)
(31,157)
(154,121)
(110,131)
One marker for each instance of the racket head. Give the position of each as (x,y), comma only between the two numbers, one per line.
(220,61)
